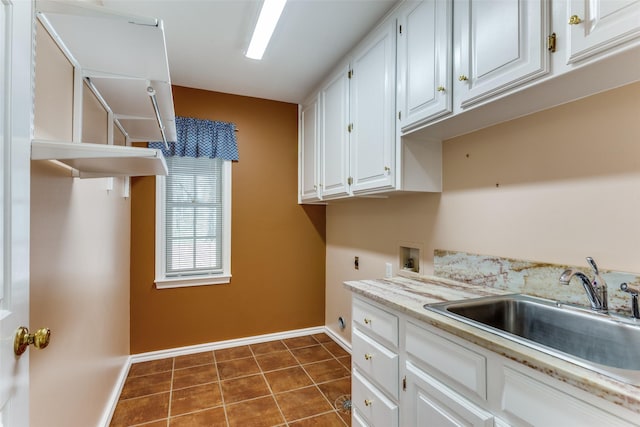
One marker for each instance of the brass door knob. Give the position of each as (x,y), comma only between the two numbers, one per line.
(368,402)
(440,88)
(368,356)
(574,20)
(463,78)
(23,339)
(367,321)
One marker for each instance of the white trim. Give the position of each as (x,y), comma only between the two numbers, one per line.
(161,280)
(110,408)
(183,282)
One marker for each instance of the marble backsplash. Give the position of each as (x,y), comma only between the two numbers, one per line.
(529,277)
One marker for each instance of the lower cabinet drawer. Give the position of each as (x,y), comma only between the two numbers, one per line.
(378,362)
(376,409)
(374,320)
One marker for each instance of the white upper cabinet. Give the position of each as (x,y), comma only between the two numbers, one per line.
(424,90)
(498,44)
(598,25)
(309,140)
(372,89)
(334,136)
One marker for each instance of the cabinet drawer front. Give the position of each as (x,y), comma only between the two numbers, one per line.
(466,368)
(379,363)
(372,319)
(531,402)
(371,403)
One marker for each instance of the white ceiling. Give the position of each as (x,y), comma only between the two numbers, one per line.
(206,41)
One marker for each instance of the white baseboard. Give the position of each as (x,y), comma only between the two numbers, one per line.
(181,351)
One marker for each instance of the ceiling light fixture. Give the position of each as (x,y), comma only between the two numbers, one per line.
(267,21)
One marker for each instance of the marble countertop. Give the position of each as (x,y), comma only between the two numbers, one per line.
(409,294)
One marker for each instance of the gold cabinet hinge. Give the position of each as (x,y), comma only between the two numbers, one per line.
(350,128)
(350,74)
(551,42)
(404,383)
(399,115)
(350,181)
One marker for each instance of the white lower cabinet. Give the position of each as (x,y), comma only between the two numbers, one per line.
(412,374)
(431,403)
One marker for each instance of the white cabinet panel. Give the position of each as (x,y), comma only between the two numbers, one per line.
(530,402)
(309,155)
(431,403)
(372,88)
(334,149)
(374,320)
(376,361)
(372,403)
(499,44)
(424,62)
(599,25)
(462,367)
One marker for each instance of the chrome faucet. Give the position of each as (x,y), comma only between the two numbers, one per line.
(596,288)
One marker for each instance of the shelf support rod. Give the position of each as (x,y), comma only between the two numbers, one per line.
(152,94)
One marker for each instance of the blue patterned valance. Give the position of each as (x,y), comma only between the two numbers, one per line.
(202,138)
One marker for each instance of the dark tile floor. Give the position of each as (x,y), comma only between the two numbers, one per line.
(296,382)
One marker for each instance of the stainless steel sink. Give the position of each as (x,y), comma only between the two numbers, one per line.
(605,343)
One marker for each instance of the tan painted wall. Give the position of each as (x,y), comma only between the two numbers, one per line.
(555,186)
(277,248)
(79,264)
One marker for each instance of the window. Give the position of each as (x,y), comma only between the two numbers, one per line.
(193,223)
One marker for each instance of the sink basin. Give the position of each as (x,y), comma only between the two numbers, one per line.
(604,343)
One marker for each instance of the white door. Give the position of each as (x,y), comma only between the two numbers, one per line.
(15,143)
(309,151)
(498,45)
(424,62)
(334,137)
(431,403)
(373,89)
(598,25)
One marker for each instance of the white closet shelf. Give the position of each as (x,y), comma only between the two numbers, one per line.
(100,160)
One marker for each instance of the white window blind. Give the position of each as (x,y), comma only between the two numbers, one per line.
(194,223)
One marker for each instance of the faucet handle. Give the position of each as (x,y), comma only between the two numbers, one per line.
(593,265)
(633,290)
(630,289)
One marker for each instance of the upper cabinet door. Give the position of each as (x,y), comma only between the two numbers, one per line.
(372,86)
(498,44)
(424,62)
(334,147)
(598,25)
(309,153)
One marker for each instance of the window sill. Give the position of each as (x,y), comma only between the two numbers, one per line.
(183,282)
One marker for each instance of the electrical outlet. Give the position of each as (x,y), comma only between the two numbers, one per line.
(356,263)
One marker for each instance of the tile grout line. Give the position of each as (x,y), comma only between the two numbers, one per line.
(173,370)
(224,405)
(273,395)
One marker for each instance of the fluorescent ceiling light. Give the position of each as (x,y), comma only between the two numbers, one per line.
(267,21)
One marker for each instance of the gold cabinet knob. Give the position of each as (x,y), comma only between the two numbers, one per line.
(574,20)
(368,402)
(368,356)
(367,321)
(23,339)
(440,89)
(463,78)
